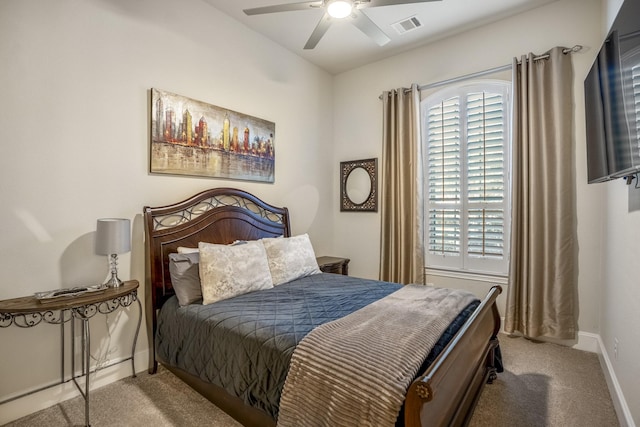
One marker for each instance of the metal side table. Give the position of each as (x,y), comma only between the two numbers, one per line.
(26,312)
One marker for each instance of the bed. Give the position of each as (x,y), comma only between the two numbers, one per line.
(444,391)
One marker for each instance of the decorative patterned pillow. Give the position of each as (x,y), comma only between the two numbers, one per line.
(290,258)
(185,277)
(230,270)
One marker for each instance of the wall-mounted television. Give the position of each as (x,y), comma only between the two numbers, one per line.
(612,101)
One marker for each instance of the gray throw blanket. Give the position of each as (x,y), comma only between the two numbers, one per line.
(355,371)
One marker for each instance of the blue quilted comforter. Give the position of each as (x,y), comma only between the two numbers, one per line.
(244,344)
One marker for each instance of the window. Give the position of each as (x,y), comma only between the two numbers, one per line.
(631,93)
(465,132)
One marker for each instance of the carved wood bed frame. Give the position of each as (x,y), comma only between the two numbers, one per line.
(445,394)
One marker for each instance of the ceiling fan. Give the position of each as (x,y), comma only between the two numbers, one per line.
(338,9)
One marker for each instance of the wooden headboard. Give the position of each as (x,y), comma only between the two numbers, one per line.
(219,215)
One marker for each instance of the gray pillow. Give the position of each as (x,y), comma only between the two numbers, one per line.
(185,277)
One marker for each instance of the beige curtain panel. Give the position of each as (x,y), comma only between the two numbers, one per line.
(542,295)
(401,251)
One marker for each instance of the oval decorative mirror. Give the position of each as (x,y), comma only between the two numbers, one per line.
(359,185)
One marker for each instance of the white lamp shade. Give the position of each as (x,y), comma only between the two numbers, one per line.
(113,236)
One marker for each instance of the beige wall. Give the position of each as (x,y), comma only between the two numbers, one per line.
(608,235)
(620,292)
(357,120)
(74,124)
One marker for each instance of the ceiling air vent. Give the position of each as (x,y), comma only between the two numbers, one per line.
(407,25)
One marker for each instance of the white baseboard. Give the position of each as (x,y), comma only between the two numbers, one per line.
(15,409)
(586,341)
(619,402)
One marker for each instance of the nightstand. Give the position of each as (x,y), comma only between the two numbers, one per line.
(329,264)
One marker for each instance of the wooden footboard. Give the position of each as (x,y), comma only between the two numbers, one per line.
(446,394)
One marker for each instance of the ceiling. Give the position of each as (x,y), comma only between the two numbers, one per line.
(344,47)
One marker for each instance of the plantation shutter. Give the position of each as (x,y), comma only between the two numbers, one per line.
(466,139)
(635,79)
(485,174)
(443,175)
(631,93)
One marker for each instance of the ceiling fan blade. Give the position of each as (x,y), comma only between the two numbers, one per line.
(376,3)
(320,30)
(283,8)
(368,27)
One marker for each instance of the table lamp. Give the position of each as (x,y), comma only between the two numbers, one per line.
(113,237)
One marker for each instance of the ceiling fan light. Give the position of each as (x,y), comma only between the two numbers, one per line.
(339,8)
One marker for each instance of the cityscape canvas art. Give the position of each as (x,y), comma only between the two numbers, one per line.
(191,137)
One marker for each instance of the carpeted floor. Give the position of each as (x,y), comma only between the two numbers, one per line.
(146,401)
(543,385)
(546,385)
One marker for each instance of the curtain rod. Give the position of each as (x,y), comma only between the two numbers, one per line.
(576,48)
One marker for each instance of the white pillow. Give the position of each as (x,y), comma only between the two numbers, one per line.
(185,250)
(230,270)
(290,258)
